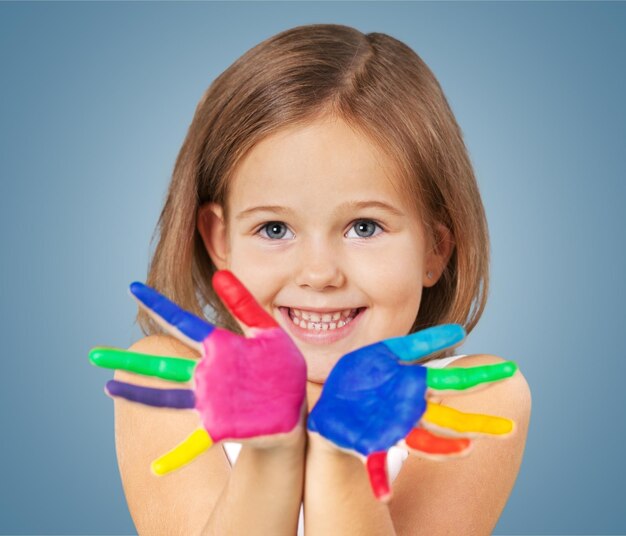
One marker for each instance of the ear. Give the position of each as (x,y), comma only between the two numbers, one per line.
(439,255)
(212,227)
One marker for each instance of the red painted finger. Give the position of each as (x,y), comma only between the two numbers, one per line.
(424,441)
(379,479)
(240,302)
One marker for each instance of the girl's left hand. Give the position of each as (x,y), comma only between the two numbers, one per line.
(374,399)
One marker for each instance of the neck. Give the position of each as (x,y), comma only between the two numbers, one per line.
(313,392)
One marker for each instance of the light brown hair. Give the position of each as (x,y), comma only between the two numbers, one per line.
(381,88)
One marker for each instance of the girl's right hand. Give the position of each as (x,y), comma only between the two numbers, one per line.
(249,389)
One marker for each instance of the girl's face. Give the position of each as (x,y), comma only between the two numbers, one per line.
(318,229)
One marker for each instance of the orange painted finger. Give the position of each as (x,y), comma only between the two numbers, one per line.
(240,302)
(424,441)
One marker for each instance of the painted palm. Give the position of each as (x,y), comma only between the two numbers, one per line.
(250,387)
(374,398)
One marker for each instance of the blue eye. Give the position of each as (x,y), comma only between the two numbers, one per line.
(367,227)
(273,230)
(276,230)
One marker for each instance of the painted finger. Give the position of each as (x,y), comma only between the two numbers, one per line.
(461,379)
(431,446)
(376,464)
(449,421)
(427,341)
(240,302)
(180,323)
(168,368)
(162,398)
(194,445)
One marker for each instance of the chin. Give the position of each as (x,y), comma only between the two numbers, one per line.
(319,368)
(319,379)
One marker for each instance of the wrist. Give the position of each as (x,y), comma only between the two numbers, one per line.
(286,457)
(283,443)
(322,446)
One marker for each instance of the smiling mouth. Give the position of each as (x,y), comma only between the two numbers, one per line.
(319,332)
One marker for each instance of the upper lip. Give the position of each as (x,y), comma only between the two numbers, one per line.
(321,309)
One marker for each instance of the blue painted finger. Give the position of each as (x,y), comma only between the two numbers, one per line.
(427,341)
(180,323)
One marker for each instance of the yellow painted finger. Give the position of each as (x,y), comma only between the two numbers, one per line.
(195,444)
(465,423)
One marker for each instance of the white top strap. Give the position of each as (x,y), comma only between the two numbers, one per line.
(443,362)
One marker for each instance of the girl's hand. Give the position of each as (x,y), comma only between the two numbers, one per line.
(248,389)
(374,399)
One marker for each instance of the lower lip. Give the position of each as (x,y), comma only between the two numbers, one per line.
(321,336)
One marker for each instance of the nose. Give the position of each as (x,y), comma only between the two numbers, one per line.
(319,265)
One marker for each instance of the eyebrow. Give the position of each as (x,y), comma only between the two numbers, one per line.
(350,205)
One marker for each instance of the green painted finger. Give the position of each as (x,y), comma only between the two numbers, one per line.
(464,378)
(168,368)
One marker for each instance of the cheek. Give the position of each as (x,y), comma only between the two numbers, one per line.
(399,289)
(260,274)
(394,290)
(392,278)
(395,309)
(248,255)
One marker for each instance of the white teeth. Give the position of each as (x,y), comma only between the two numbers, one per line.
(324,322)
(322,317)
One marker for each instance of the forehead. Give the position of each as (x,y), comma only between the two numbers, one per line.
(321,163)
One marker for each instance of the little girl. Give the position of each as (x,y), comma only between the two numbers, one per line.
(326,170)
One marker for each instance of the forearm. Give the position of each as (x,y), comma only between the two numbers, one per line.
(263,494)
(338,498)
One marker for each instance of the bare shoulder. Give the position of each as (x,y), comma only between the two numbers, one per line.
(511,395)
(165,345)
(144,433)
(473,490)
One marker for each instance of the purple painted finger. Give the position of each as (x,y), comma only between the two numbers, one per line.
(162,398)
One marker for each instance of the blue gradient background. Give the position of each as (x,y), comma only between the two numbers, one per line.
(95,100)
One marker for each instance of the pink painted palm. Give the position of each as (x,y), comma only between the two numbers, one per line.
(250,388)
